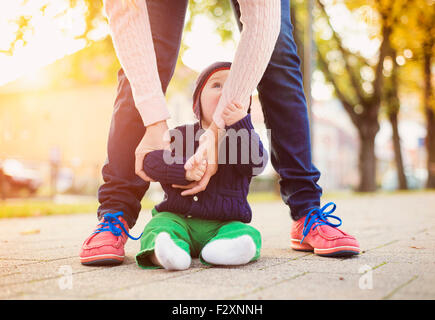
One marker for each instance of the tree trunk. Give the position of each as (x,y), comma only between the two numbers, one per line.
(367,157)
(401,178)
(430,118)
(393,106)
(430,142)
(2,186)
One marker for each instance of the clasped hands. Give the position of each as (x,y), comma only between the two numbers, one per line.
(203,164)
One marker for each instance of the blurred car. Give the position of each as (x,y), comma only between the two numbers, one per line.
(16,179)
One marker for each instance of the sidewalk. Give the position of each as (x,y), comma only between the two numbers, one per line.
(39,258)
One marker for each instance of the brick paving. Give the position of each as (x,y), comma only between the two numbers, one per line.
(39,258)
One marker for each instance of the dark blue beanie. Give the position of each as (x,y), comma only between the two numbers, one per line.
(202,80)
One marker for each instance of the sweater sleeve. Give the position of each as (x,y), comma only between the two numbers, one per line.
(164,167)
(244,148)
(131,35)
(261,21)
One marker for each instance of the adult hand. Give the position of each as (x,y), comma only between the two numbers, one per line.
(198,186)
(156,137)
(208,150)
(197,172)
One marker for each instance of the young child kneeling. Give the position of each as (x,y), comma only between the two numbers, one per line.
(212,224)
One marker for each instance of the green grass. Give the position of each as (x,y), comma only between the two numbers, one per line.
(35,208)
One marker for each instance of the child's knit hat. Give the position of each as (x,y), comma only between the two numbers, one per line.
(202,80)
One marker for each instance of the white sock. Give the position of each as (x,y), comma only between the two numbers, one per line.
(169,255)
(229,251)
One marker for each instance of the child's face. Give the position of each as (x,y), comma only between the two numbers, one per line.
(211,94)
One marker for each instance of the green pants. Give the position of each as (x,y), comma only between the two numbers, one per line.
(190,234)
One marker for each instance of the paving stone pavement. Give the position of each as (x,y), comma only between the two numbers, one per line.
(39,258)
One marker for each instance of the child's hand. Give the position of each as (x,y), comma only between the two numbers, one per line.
(196,173)
(233,113)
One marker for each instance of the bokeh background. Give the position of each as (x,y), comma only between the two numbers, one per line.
(368,75)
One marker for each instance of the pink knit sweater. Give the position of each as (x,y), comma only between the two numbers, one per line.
(132,39)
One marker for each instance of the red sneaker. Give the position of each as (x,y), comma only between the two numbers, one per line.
(105,246)
(315,233)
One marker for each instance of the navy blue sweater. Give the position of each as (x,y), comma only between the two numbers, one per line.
(225,197)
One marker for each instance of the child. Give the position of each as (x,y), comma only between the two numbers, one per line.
(210,225)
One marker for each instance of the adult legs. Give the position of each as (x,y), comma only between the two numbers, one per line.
(285,112)
(122,189)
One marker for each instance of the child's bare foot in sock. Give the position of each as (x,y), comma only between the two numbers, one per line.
(228,252)
(168,255)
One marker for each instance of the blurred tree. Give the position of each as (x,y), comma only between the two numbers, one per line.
(390,99)
(428,26)
(360,95)
(392,106)
(98,63)
(425,27)
(414,39)
(23,27)
(301,16)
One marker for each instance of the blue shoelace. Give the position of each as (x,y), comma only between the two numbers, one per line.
(318,217)
(110,223)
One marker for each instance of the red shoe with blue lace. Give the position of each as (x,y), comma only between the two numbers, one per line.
(315,233)
(105,246)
